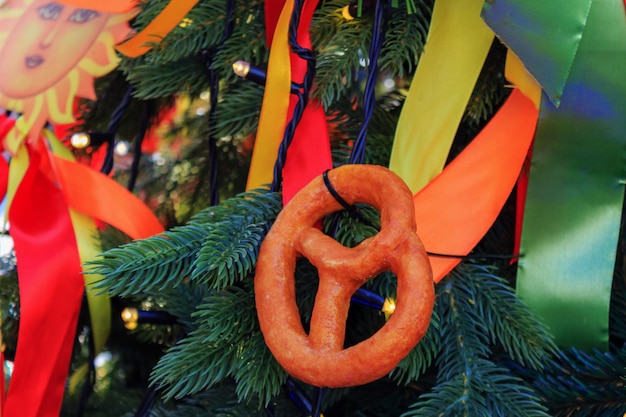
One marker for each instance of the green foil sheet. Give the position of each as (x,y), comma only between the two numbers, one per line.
(576,187)
(545,35)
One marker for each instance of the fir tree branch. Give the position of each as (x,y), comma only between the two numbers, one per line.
(226,316)
(339,59)
(149,264)
(581,384)
(509,321)
(258,374)
(165,260)
(227,343)
(181,302)
(421,357)
(490,91)
(469,382)
(229,252)
(405,39)
(238,109)
(220,401)
(185,76)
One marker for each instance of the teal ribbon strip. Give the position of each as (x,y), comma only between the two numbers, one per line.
(576,188)
(545,35)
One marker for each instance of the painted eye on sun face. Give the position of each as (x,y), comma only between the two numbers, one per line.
(50,11)
(81,16)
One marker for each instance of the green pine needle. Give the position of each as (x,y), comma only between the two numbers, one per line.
(229,252)
(583,384)
(421,357)
(226,316)
(154,263)
(226,344)
(220,401)
(469,382)
(165,260)
(510,322)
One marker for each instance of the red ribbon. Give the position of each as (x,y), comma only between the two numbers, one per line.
(50,277)
(309,152)
(51,290)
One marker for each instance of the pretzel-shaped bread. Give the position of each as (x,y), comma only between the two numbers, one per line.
(319,358)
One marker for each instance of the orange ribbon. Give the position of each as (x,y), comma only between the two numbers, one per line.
(455,210)
(93,193)
(158,29)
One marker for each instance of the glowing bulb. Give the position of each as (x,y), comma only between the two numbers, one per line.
(345,12)
(186,22)
(389,83)
(80,140)
(130,316)
(388,307)
(241,68)
(122,148)
(255,74)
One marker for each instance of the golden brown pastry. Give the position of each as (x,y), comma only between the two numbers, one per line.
(319,358)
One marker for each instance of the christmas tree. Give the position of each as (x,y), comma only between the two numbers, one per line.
(219,121)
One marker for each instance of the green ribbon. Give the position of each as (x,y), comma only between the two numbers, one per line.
(544,34)
(576,187)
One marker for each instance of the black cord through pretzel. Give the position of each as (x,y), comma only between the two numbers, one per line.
(352,210)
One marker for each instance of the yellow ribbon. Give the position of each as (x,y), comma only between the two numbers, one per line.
(158,29)
(89,247)
(275,104)
(456,48)
(22,129)
(518,75)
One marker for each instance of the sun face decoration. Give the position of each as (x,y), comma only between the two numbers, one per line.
(50,53)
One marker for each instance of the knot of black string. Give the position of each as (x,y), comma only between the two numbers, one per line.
(208,56)
(352,209)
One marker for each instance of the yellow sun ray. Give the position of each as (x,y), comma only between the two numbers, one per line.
(50,54)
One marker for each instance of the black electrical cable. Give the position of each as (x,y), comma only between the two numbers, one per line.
(208,56)
(114,123)
(87,388)
(357,155)
(147,113)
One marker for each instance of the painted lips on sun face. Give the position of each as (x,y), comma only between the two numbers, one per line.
(33,61)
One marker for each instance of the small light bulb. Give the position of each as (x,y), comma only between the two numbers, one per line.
(345,12)
(388,307)
(122,148)
(130,317)
(241,68)
(80,140)
(186,22)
